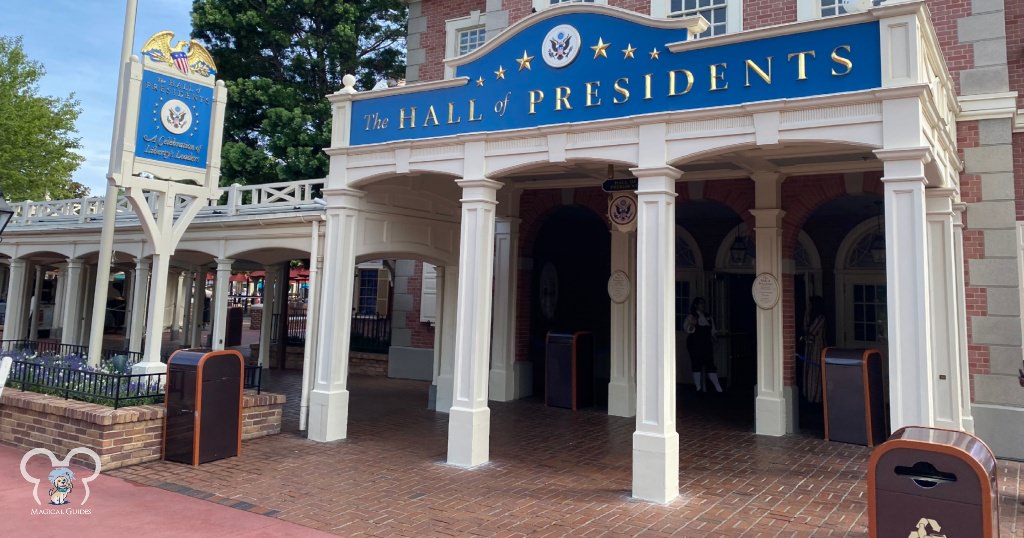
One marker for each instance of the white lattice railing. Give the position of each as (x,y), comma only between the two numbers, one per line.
(239,198)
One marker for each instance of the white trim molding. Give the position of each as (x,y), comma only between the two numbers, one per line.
(546,4)
(452,27)
(733,13)
(988,106)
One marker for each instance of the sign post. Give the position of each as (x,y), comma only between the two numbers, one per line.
(170,157)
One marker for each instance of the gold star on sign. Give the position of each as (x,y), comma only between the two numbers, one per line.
(599,48)
(480,81)
(500,72)
(655,54)
(628,51)
(524,62)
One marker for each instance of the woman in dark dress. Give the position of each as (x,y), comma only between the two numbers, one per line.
(700,344)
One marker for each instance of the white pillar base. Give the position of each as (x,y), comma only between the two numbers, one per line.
(524,379)
(328,415)
(621,399)
(149,368)
(792,408)
(500,386)
(968,423)
(770,415)
(445,392)
(469,432)
(655,466)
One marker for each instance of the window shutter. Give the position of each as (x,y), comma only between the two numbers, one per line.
(428,294)
(383,289)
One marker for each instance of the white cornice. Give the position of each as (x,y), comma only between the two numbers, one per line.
(987,106)
(1018,121)
(873,14)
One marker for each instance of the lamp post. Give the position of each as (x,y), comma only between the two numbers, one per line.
(6,213)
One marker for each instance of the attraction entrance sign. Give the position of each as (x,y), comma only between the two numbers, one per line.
(853,93)
(615,64)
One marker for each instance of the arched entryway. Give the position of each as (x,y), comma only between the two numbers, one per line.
(571,260)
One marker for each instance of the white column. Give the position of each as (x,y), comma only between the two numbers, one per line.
(943,309)
(503,346)
(907,280)
(770,413)
(328,403)
(446,332)
(655,442)
(266,322)
(128,285)
(198,302)
(438,340)
(219,308)
(72,301)
(155,317)
(187,324)
(14,318)
(176,284)
(967,417)
(86,303)
(140,281)
(56,328)
(469,421)
(622,386)
(37,298)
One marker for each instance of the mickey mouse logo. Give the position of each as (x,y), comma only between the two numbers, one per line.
(61,478)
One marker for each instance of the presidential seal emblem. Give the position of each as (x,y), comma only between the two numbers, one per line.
(622,211)
(189,57)
(561,46)
(176,117)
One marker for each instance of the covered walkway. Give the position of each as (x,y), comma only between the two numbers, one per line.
(552,472)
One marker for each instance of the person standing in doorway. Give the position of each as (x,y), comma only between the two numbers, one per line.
(814,342)
(700,343)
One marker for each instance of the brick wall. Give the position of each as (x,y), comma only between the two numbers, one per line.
(421,334)
(121,437)
(375,364)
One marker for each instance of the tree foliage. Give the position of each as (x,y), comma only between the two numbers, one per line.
(37,133)
(280,59)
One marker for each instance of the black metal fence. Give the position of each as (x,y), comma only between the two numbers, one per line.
(296,332)
(96,387)
(64,350)
(371,334)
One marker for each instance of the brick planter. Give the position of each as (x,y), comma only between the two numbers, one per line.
(121,437)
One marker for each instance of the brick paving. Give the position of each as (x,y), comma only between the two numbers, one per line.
(552,473)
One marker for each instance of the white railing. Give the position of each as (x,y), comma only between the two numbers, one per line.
(239,199)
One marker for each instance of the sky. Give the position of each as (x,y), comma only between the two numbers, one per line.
(79,44)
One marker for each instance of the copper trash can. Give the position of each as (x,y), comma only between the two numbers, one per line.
(203,406)
(932,482)
(854,401)
(569,370)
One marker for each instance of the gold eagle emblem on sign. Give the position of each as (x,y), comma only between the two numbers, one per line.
(187,56)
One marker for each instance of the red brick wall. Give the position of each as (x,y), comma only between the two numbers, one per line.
(974,249)
(945,14)
(534,208)
(761,13)
(433,40)
(121,437)
(422,333)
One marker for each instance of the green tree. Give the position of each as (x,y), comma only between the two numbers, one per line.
(37,133)
(280,59)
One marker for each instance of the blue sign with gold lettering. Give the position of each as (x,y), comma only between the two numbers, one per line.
(580,67)
(174,120)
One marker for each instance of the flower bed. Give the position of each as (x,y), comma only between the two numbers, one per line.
(71,376)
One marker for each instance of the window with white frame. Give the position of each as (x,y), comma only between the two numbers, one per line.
(463,36)
(723,16)
(815,9)
(469,39)
(541,4)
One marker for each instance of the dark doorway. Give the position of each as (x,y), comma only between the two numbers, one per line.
(571,264)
